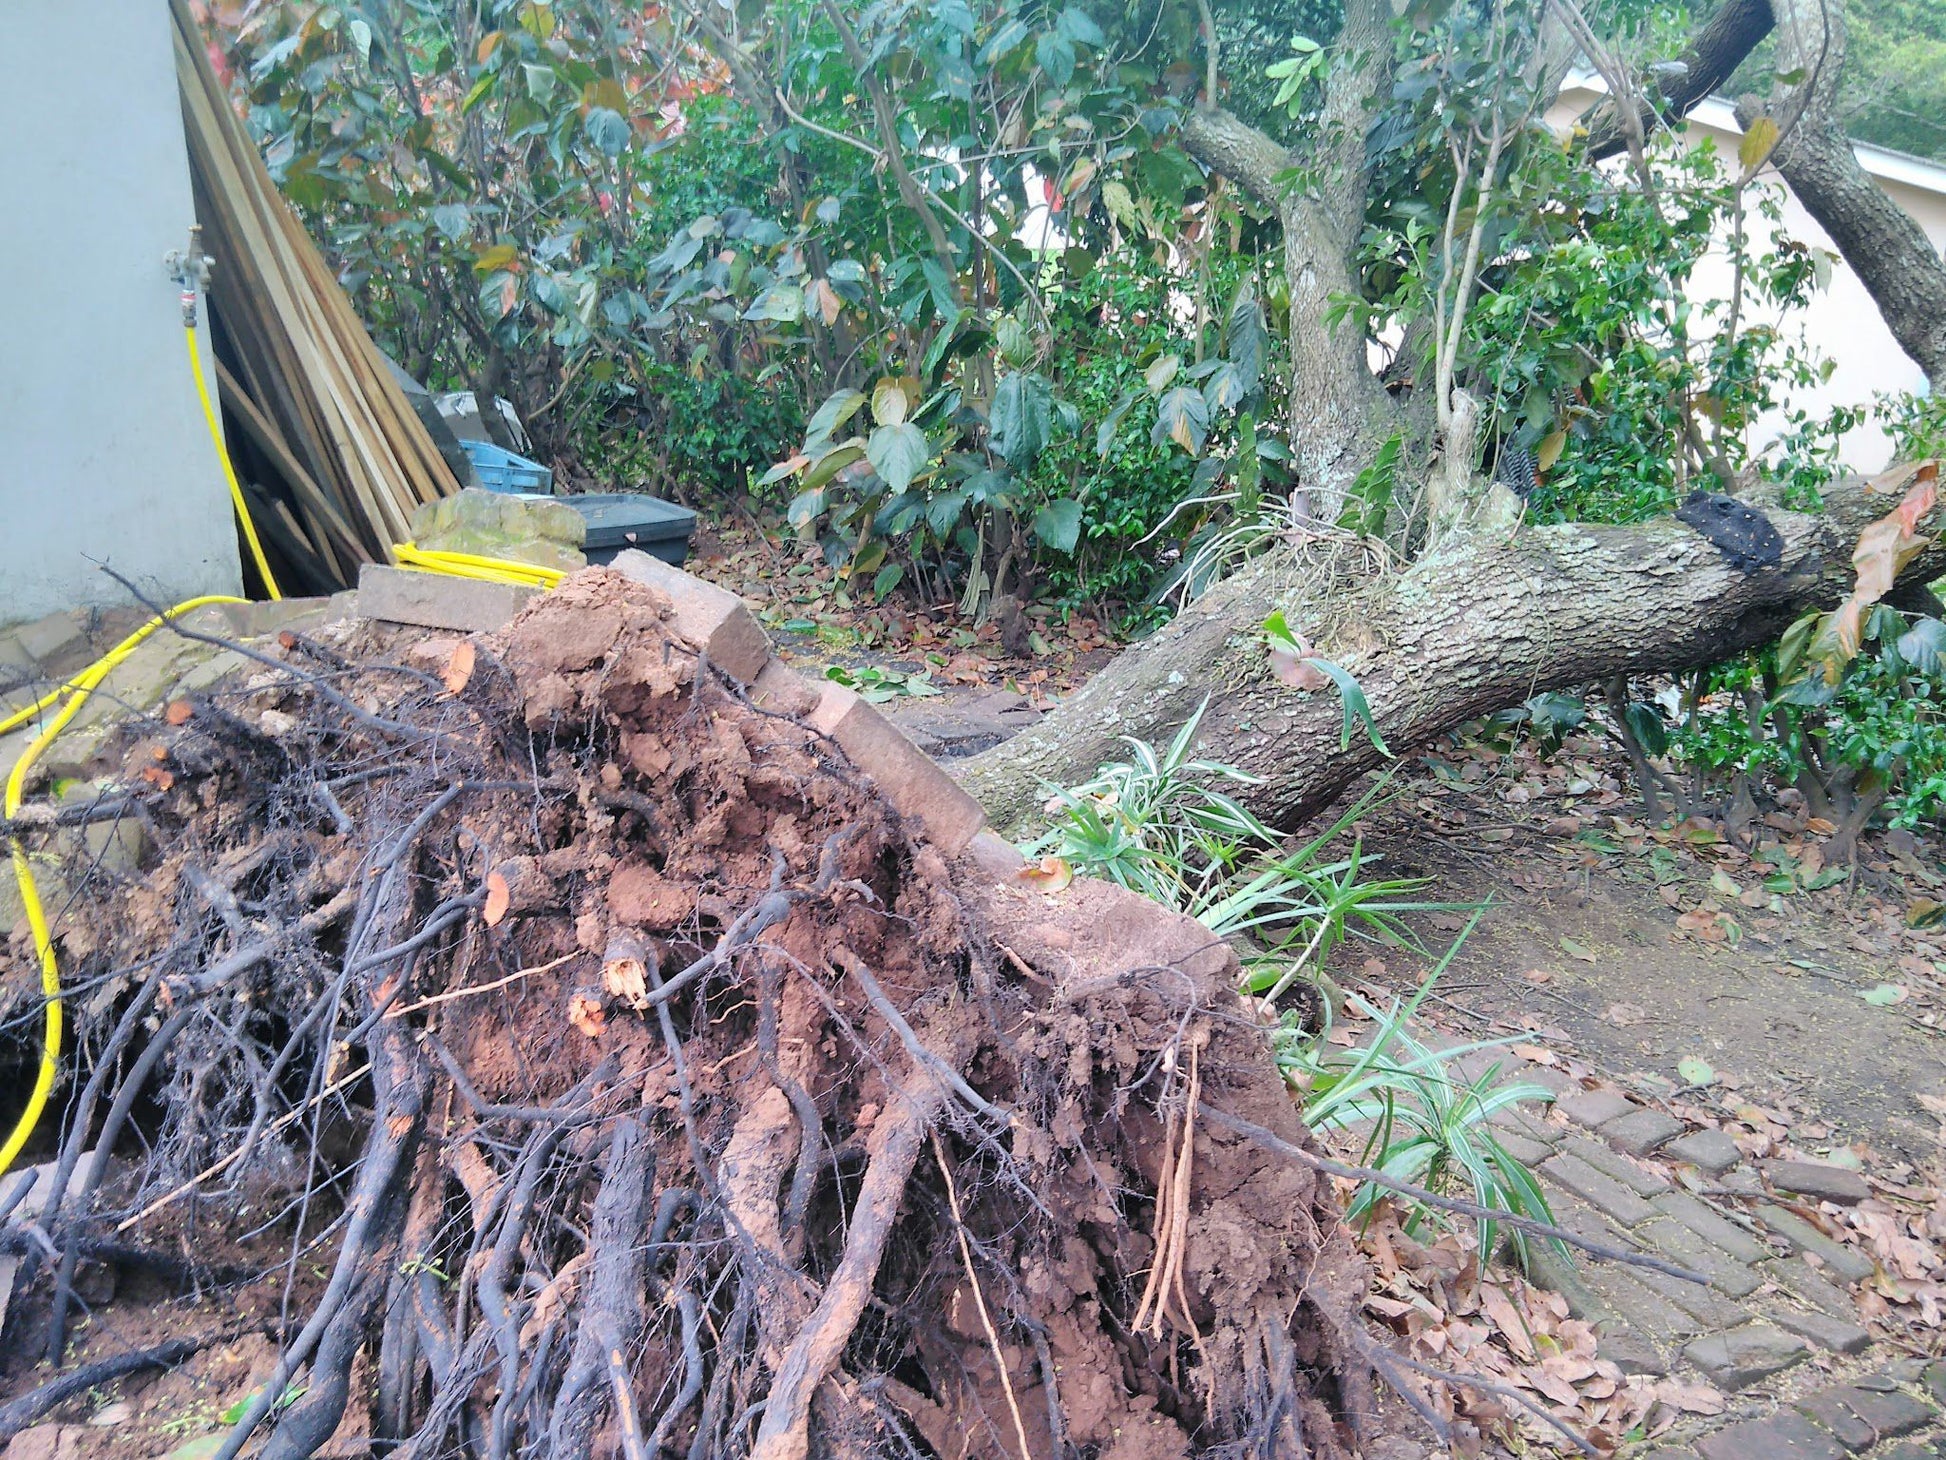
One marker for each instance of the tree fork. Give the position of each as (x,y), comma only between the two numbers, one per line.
(1482,621)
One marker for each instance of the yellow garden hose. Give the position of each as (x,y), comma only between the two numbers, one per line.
(77,690)
(471,565)
(229,472)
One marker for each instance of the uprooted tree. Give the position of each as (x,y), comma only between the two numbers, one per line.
(1469,609)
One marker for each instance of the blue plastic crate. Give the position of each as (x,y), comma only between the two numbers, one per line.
(501,470)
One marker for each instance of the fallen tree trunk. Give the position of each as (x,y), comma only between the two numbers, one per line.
(1482,622)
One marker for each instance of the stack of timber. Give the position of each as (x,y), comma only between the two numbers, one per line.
(330,452)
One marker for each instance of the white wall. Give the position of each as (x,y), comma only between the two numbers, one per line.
(103,452)
(1841,322)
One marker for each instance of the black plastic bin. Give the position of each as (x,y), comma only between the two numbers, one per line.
(620,520)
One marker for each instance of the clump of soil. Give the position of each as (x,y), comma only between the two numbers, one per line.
(547,1050)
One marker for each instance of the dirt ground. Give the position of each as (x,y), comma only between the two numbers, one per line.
(1778,1018)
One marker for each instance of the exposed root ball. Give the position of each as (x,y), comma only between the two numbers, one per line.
(661,1093)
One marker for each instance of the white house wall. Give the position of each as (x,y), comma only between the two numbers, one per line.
(104,456)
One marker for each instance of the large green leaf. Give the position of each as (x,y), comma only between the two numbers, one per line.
(1002,42)
(781,302)
(1020,421)
(1246,339)
(898,453)
(1923,646)
(1058,524)
(827,418)
(1182,416)
(1055,54)
(607,129)
(830,464)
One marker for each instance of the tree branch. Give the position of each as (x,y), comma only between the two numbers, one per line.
(1713,54)
(1225,143)
(1895,261)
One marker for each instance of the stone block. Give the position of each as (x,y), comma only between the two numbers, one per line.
(997,858)
(538,530)
(1528,1122)
(1598,1189)
(1712,1226)
(1630,1352)
(1641,1130)
(1818,1181)
(1559,1274)
(1741,1357)
(1847,1262)
(1680,1243)
(1710,1151)
(1640,1179)
(1704,1303)
(783,691)
(52,637)
(438,601)
(1796,1277)
(714,619)
(1860,1418)
(911,780)
(1522,1149)
(1781,1437)
(1822,1329)
(1594,1108)
(49,1442)
(1644,1311)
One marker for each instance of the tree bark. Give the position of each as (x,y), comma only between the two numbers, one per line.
(1481,622)
(1891,254)
(1340,412)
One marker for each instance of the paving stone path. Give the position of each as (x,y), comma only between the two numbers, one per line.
(1776,1327)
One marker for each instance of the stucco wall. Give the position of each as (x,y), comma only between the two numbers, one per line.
(1841,323)
(103,453)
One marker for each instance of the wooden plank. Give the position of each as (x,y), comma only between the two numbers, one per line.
(310,387)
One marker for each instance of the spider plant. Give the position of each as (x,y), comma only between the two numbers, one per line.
(1163,824)
(1425,1124)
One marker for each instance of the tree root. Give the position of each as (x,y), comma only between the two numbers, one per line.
(585,1028)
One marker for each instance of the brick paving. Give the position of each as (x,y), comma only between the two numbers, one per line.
(1776,1327)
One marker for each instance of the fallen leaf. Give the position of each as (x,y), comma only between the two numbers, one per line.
(1694,1071)
(498,896)
(1577,950)
(1499,1307)
(1885,994)
(1296,670)
(1049,875)
(1623,1015)
(459,669)
(178,712)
